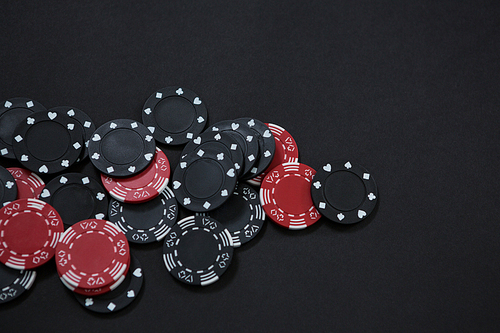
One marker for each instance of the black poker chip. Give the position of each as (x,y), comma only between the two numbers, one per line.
(48,142)
(266,142)
(197,250)
(121,148)
(221,141)
(145,222)
(245,138)
(204,180)
(344,192)
(76,197)
(174,115)
(14,282)
(242,214)
(8,187)
(12,112)
(83,119)
(120,297)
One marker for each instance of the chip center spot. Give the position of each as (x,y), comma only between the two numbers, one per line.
(203,178)
(197,249)
(74,203)
(292,194)
(174,114)
(122,146)
(143,216)
(47,140)
(26,233)
(344,190)
(233,214)
(92,252)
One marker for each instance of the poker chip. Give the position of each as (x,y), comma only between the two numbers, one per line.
(242,214)
(344,192)
(76,197)
(47,142)
(29,184)
(92,253)
(13,282)
(197,250)
(145,222)
(12,112)
(121,148)
(221,141)
(29,232)
(8,188)
(204,180)
(245,138)
(119,298)
(83,119)
(174,115)
(142,187)
(285,195)
(266,146)
(286,151)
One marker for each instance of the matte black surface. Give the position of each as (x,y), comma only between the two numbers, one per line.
(8,187)
(409,89)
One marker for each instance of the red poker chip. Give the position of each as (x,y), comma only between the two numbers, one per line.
(286,151)
(92,253)
(29,184)
(143,187)
(29,232)
(285,195)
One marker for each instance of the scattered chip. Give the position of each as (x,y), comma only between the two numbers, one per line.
(13,282)
(344,192)
(76,197)
(246,140)
(285,195)
(145,222)
(29,184)
(286,151)
(204,180)
(221,141)
(197,250)
(12,112)
(8,188)
(48,142)
(29,232)
(121,148)
(92,253)
(142,187)
(119,298)
(174,115)
(242,214)
(82,119)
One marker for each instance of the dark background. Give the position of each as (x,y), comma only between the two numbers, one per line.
(408,89)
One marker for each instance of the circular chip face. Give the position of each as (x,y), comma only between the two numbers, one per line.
(83,119)
(8,188)
(242,214)
(344,192)
(92,253)
(119,298)
(246,140)
(48,142)
(76,197)
(144,186)
(286,151)
(29,232)
(12,112)
(121,148)
(221,141)
(266,146)
(197,250)
(29,184)
(174,115)
(14,282)
(145,222)
(204,180)
(285,195)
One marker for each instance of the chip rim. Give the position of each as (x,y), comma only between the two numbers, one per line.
(21,283)
(28,178)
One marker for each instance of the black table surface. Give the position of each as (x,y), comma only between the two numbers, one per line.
(408,89)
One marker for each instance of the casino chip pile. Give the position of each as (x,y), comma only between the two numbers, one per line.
(230,177)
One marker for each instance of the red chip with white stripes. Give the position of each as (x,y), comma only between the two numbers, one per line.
(285,195)
(143,187)
(29,184)
(92,253)
(29,232)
